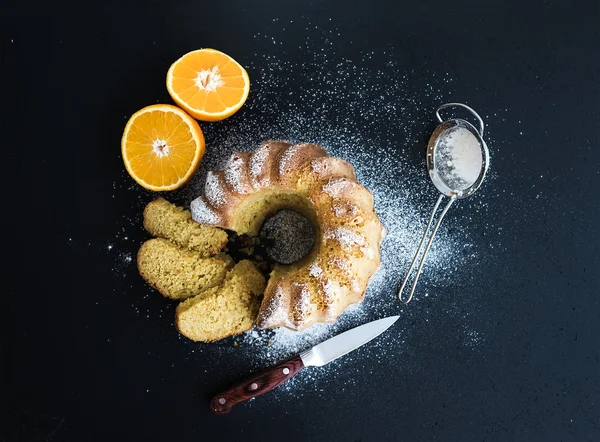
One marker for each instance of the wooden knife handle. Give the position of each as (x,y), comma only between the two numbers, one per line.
(255,385)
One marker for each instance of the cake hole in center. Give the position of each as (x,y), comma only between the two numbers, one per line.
(287,236)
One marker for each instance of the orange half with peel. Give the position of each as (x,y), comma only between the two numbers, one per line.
(208,84)
(162,147)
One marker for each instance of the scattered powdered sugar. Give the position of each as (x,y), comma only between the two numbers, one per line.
(276,344)
(378,120)
(458,158)
(387,151)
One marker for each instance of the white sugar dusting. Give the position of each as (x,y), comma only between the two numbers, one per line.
(337,187)
(315,271)
(378,119)
(274,345)
(330,288)
(342,264)
(347,238)
(275,311)
(233,173)
(318,166)
(286,157)
(343,208)
(459,158)
(202,213)
(257,163)
(302,302)
(213,190)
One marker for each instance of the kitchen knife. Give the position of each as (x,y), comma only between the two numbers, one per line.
(317,356)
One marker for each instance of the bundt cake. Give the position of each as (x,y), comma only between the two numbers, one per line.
(166,220)
(301,177)
(223,311)
(179,273)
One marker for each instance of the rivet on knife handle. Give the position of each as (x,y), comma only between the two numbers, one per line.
(256,385)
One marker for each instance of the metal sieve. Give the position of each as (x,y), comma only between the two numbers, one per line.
(441,172)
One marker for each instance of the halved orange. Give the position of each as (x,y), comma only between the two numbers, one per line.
(162,147)
(208,84)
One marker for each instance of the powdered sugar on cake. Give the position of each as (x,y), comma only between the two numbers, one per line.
(347,238)
(315,271)
(287,155)
(213,189)
(401,189)
(257,165)
(341,264)
(274,308)
(233,173)
(302,303)
(387,151)
(202,213)
(343,208)
(337,187)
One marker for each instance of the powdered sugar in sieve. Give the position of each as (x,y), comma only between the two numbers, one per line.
(457,160)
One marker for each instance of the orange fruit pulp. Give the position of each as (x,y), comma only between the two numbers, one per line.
(208,84)
(162,147)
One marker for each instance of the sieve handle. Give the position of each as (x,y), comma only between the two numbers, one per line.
(475,114)
(414,261)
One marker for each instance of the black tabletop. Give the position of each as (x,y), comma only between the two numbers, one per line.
(503,347)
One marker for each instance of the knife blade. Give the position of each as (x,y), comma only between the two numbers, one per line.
(317,356)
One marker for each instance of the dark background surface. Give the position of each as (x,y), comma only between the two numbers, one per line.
(78,362)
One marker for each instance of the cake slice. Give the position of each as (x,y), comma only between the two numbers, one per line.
(179,273)
(166,220)
(227,311)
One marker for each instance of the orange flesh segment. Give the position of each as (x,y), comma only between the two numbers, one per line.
(159,129)
(208,84)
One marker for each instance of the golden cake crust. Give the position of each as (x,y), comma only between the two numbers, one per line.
(302,177)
